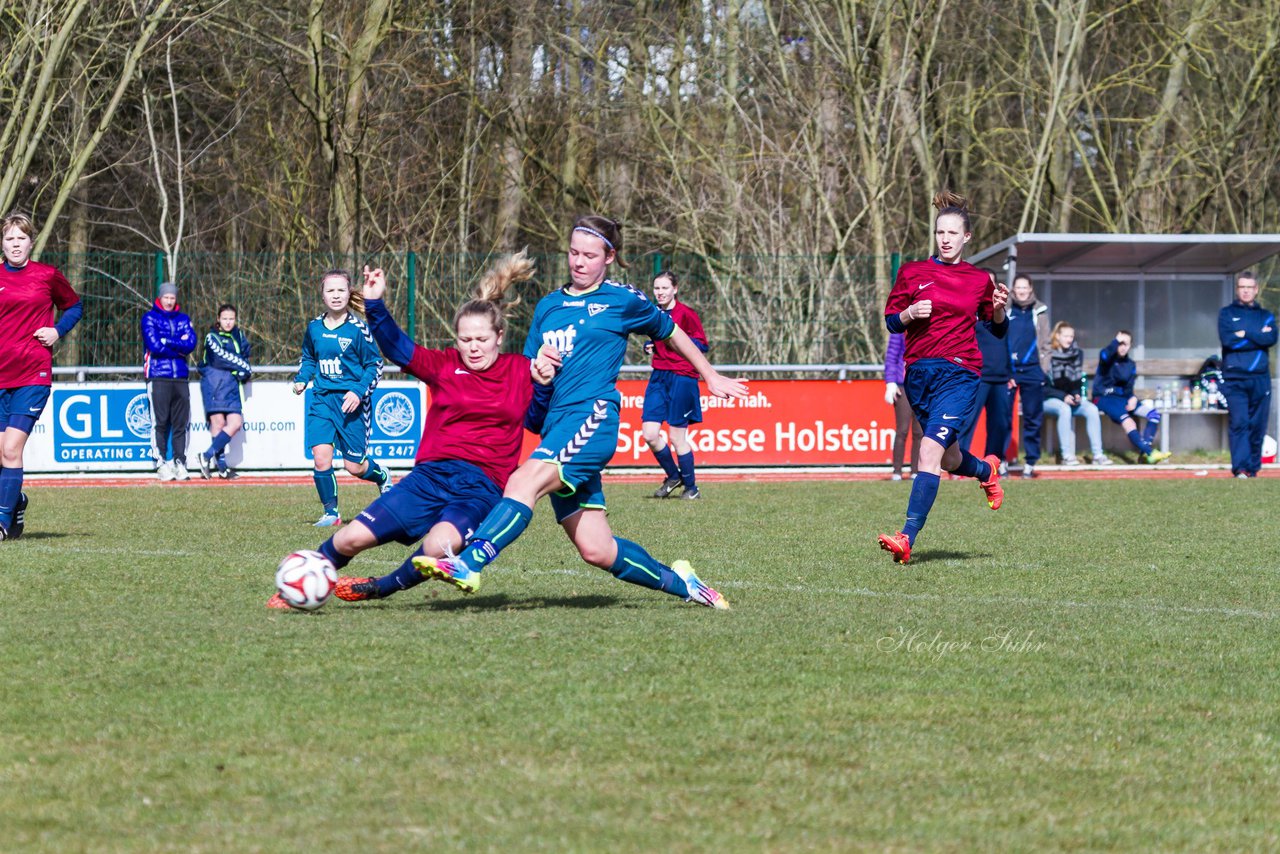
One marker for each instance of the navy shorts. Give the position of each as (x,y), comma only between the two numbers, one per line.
(436,491)
(20,407)
(672,398)
(944,398)
(327,424)
(1117,409)
(220,392)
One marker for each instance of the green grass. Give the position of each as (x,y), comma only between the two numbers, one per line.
(151,703)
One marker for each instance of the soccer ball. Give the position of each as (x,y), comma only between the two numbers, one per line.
(306,580)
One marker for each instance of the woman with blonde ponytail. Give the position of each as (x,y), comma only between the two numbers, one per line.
(937,304)
(470,443)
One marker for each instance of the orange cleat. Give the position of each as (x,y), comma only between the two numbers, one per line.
(993,489)
(277,602)
(897,545)
(355,589)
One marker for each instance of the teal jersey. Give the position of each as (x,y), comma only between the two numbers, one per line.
(340,360)
(590,330)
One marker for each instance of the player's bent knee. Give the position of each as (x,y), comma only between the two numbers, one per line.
(354,538)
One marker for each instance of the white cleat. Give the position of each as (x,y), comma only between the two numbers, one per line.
(698,592)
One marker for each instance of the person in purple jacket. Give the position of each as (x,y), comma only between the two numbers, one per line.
(895,374)
(169,338)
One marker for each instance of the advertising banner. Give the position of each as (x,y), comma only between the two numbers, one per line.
(107,427)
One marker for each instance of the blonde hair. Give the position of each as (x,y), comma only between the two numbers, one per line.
(489,299)
(1055,341)
(355,299)
(20,220)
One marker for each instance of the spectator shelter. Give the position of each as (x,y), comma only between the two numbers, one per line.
(1165,288)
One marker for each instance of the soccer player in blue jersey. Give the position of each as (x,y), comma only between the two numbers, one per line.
(223,370)
(341,361)
(586,324)
(937,303)
(1114,397)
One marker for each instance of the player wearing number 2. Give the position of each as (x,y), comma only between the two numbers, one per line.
(937,303)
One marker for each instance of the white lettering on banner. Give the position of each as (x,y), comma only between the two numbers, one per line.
(84,428)
(789,437)
(757,400)
(631,441)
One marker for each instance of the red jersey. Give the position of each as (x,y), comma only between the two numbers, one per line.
(28,298)
(961,295)
(665,357)
(476,417)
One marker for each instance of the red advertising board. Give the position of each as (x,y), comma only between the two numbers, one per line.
(780,423)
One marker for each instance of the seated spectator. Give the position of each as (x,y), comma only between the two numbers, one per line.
(1114,397)
(1064,395)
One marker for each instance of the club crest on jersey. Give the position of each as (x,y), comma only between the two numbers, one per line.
(343,344)
(595,308)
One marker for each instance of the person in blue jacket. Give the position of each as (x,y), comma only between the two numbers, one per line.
(223,368)
(995,396)
(1247,331)
(1028,340)
(169,338)
(342,362)
(1114,397)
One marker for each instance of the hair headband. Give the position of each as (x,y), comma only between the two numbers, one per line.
(595,233)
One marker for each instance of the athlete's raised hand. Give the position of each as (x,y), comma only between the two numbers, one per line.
(375,283)
(722,386)
(999,296)
(917,311)
(545,364)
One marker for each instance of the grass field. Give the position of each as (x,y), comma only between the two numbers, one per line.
(1093,667)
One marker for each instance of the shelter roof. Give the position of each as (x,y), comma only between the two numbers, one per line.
(1067,254)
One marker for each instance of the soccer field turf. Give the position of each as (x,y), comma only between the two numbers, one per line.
(1091,667)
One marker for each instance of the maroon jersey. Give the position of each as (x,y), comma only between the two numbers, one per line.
(961,295)
(665,357)
(474,416)
(27,301)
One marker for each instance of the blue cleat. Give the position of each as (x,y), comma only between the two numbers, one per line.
(330,519)
(19,517)
(699,593)
(450,570)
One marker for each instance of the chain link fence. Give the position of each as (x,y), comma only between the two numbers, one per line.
(774,309)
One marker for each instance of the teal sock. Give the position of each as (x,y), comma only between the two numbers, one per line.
(375,473)
(634,565)
(1138,442)
(668,462)
(502,527)
(686,471)
(327,488)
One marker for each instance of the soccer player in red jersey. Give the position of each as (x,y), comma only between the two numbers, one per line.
(672,394)
(937,304)
(470,443)
(29,294)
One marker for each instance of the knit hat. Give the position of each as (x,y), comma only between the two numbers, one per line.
(168,289)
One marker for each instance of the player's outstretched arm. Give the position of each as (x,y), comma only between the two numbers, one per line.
(718,384)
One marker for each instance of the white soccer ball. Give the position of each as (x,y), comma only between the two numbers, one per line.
(306,580)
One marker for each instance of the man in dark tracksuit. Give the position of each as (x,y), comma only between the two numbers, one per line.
(1028,338)
(1247,331)
(995,396)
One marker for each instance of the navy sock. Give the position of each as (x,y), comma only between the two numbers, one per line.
(405,576)
(668,462)
(924,490)
(337,558)
(327,488)
(1139,443)
(971,466)
(504,524)
(634,565)
(1150,429)
(10,487)
(219,442)
(375,473)
(222,462)
(686,471)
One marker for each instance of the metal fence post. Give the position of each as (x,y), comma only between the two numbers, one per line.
(657,264)
(159,273)
(410,273)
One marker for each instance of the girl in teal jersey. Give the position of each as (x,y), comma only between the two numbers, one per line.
(579,337)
